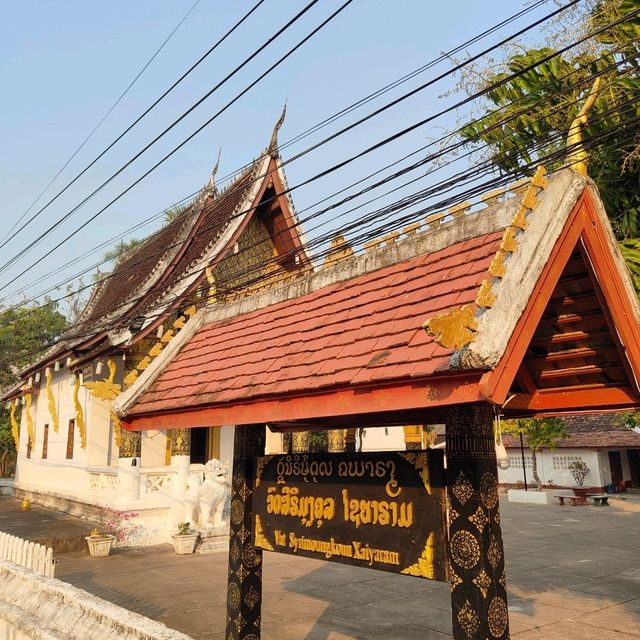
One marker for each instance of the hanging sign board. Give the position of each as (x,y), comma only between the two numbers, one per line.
(377,510)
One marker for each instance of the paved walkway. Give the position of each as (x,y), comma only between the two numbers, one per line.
(573,572)
(48,527)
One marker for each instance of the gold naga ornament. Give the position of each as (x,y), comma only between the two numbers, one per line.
(106,389)
(15,427)
(27,408)
(157,348)
(79,414)
(577,156)
(51,400)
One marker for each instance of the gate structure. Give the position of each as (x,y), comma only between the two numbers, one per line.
(523,308)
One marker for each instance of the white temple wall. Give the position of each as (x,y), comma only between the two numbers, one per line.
(552,467)
(99,432)
(273,444)
(226,445)
(153,448)
(383,439)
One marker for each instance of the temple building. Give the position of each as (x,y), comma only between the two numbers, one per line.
(72,453)
(519,304)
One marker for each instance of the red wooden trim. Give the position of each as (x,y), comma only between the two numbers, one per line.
(582,224)
(525,380)
(618,307)
(401,395)
(573,399)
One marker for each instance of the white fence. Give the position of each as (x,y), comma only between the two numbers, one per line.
(30,555)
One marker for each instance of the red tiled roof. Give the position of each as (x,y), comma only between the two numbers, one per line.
(360,331)
(136,269)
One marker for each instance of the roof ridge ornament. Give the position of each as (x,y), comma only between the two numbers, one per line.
(273,144)
(211,184)
(577,156)
(457,328)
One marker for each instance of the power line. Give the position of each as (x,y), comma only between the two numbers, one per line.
(429,158)
(190,137)
(590,143)
(451,182)
(297,156)
(134,123)
(341,113)
(104,117)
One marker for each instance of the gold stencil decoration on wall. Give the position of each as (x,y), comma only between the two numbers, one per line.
(489,490)
(462,488)
(498,617)
(483,582)
(479,519)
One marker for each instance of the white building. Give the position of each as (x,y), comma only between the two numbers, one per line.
(611,452)
(72,454)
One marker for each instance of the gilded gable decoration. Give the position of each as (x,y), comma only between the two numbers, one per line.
(457,328)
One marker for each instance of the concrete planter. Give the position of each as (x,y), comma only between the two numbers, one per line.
(530,497)
(100,546)
(184,544)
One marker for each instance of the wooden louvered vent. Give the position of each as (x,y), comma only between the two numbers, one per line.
(574,345)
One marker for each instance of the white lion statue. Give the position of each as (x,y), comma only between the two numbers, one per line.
(212,494)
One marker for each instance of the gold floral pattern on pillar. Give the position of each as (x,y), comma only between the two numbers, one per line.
(483,582)
(494,554)
(454,579)
(498,617)
(335,440)
(131,443)
(462,489)
(468,619)
(245,560)
(479,519)
(465,550)
(489,490)
(478,594)
(180,442)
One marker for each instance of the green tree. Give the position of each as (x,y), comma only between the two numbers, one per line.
(122,247)
(25,333)
(541,433)
(529,116)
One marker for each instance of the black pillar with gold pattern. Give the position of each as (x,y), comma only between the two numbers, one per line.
(244,586)
(478,584)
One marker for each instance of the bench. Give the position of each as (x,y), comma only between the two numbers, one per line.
(600,499)
(575,500)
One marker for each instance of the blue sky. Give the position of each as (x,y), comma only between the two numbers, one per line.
(62,64)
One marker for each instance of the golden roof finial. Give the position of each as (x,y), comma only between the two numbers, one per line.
(273,144)
(211,185)
(577,156)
